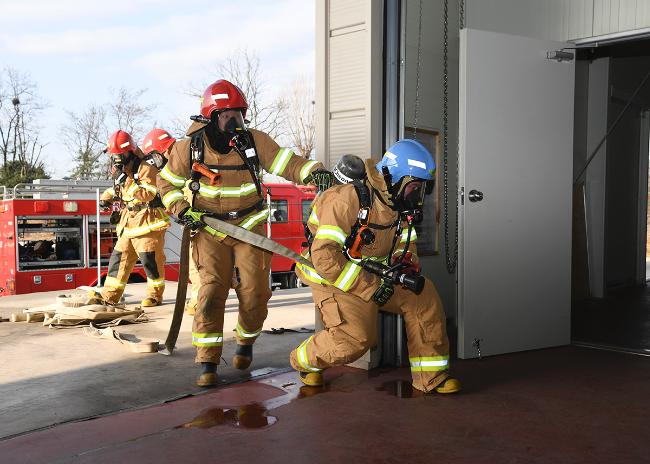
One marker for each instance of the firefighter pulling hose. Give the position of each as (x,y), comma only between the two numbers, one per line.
(220,140)
(142,222)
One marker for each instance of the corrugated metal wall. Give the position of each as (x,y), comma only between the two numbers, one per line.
(348,78)
(558,19)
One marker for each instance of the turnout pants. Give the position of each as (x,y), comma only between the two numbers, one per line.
(149,248)
(195,278)
(215,261)
(351,327)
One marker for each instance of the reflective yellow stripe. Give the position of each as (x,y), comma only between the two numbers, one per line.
(176,181)
(113,282)
(333,233)
(227,192)
(243,334)
(414,236)
(303,359)
(311,274)
(214,232)
(135,231)
(429,363)
(172,197)
(348,276)
(207,339)
(304,172)
(250,222)
(149,188)
(313,219)
(155,282)
(281,160)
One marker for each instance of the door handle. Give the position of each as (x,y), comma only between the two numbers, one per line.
(475,195)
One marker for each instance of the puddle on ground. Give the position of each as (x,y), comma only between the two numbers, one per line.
(401,389)
(249,416)
(256,415)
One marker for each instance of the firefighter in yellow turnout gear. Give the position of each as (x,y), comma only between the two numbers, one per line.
(221,163)
(354,241)
(142,223)
(156,145)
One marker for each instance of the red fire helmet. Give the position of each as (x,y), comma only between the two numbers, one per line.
(222,95)
(120,142)
(158,140)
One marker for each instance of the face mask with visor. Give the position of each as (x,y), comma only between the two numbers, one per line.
(408,196)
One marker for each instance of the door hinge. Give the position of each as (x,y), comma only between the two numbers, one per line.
(559,55)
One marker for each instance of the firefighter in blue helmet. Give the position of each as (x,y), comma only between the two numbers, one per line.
(365,260)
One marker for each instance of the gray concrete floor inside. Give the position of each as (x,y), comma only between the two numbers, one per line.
(50,376)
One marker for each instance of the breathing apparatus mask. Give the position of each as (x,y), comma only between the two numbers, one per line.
(407,195)
(120,160)
(222,127)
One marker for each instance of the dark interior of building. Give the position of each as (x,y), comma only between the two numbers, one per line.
(619,317)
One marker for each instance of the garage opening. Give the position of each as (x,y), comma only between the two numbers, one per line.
(611,249)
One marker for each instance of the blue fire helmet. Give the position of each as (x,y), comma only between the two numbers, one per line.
(408,157)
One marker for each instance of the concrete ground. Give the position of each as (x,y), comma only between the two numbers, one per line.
(51,376)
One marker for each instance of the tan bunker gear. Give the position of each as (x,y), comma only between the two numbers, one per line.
(343,290)
(233,198)
(141,234)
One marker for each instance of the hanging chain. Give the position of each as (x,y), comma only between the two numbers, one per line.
(450,256)
(417,77)
(461,14)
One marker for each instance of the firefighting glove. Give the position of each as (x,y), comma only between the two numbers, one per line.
(105,204)
(321,178)
(191,218)
(383,293)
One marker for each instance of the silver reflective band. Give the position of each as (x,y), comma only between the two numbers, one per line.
(439,363)
(207,339)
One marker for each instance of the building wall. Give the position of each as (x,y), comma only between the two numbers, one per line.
(558,19)
(348,79)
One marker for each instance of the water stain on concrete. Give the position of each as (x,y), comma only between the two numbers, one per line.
(248,416)
(401,389)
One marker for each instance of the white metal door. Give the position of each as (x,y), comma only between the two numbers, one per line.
(516,148)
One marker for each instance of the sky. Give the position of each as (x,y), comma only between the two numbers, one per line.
(76,51)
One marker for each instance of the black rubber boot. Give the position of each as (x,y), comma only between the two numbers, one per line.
(243,357)
(208,377)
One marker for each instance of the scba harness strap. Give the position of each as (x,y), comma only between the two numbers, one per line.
(244,148)
(360,233)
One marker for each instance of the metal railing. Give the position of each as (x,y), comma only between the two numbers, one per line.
(26,191)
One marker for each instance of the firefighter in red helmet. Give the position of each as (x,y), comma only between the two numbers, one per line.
(156,146)
(222,160)
(141,225)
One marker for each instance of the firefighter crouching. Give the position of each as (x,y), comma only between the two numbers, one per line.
(156,146)
(221,162)
(142,222)
(364,259)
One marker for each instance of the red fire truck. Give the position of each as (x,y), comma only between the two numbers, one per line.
(290,206)
(49,240)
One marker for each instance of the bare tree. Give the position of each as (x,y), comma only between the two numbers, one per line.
(20,106)
(86,133)
(127,113)
(300,116)
(243,69)
(85,136)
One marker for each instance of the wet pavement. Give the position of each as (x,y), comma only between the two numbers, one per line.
(549,406)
